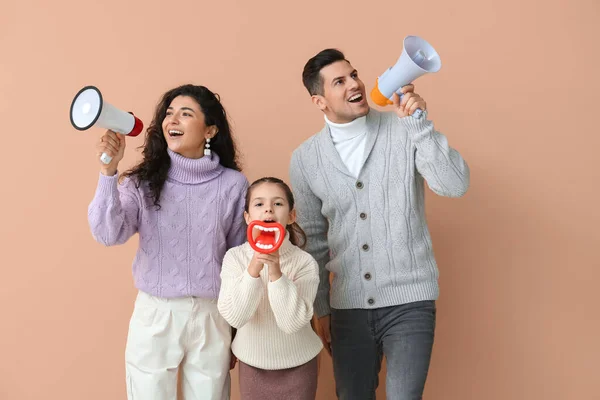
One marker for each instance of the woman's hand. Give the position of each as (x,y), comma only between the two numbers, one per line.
(113,145)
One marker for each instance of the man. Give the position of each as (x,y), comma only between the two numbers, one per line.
(359,187)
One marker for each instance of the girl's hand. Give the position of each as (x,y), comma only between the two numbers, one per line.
(272,260)
(112,144)
(255,266)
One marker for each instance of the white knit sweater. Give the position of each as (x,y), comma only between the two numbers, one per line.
(272,318)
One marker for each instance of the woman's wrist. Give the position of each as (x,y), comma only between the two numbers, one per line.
(108,171)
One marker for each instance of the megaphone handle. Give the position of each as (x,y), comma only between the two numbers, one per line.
(105,158)
(418,112)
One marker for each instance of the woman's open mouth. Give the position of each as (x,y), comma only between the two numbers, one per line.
(175,133)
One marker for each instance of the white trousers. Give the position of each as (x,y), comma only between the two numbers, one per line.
(165,334)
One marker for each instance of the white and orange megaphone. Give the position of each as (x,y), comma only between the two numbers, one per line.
(418,58)
(89,109)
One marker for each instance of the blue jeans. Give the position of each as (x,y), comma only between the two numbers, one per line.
(360,338)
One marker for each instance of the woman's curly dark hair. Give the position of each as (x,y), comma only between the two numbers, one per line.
(156,162)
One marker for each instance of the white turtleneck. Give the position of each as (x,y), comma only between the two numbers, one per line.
(349,140)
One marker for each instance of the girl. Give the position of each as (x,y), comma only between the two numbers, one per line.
(187,206)
(269,299)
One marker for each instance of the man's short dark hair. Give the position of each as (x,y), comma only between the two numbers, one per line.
(311,75)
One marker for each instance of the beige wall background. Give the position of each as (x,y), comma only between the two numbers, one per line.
(517,95)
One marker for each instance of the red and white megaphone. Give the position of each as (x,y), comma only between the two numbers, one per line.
(89,109)
(265,237)
(418,58)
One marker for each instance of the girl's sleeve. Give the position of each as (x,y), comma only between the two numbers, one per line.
(292,300)
(240,293)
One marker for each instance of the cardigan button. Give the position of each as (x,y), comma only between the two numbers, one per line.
(359,185)
(365,247)
(368,276)
(363,216)
(371,301)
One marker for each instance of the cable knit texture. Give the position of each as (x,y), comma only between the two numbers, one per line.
(182,245)
(272,318)
(371,231)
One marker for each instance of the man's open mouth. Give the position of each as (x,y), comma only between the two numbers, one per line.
(355,98)
(265,236)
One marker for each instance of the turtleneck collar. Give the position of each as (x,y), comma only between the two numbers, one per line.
(286,246)
(348,130)
(193,171)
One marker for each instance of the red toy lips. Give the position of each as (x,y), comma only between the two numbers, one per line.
(265,237)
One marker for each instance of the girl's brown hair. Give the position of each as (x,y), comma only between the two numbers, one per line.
(297,235)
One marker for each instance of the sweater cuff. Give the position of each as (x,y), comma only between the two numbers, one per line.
(280,286)
(107,186)
(414,125)
(251,282)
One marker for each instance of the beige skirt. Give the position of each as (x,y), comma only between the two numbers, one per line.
(298,383)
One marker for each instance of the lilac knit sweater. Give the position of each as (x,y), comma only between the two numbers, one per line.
(182,245)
